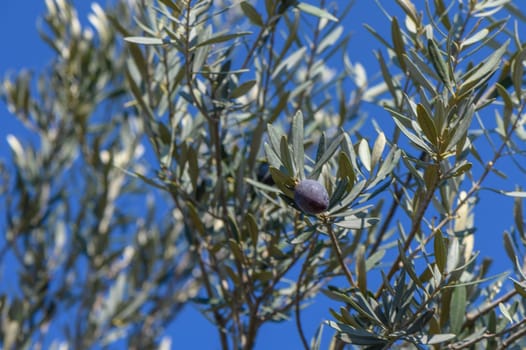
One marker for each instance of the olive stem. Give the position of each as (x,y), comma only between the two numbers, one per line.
(339,255)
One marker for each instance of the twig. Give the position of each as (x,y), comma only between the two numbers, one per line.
(487,335)
(514,337)
(470,318)
(339,255)
(298,298)
(414,230)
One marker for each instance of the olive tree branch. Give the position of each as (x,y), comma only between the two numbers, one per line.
(339,254)
(298,299)
(415,228)
(476,186)
(487,335)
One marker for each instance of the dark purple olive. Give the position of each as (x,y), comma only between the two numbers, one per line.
(311,197)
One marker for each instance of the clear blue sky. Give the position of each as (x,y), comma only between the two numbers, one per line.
(23,49)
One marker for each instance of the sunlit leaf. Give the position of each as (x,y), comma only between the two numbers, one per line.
(297,144)
(144,40)
(316,11)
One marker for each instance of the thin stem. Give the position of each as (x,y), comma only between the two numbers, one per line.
(217,316)
(219,319)
(514,337)
(297,308)
(414,230)
(339,255)
(487,335)
(399,192)
(472,317)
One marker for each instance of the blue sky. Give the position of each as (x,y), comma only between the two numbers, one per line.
(23,49)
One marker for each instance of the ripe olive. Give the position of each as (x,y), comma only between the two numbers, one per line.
(311,197)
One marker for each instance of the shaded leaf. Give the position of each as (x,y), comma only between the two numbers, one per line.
(252,14)
(457,309)
(398,42)
(438,62)
(243,89)
(440,252)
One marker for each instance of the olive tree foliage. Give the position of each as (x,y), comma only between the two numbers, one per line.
(163,145)
(89,254)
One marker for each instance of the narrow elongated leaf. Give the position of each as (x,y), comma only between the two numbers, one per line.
(331,38)
(374,259)
(519,219)
(416,73)
(453,254)
(509,247)
(174,5)
(297,144)
(440,252)
(409,9)
(427,124)
(242,89)
(315,343)
(457,309)
(479,74)
(365,154)
(461,128)
(518,194)
(460,169)
(519,288)
(272,157)
(505,312)
(478,36)
(442,13)
(302,238)
(345,168)
(517,74)
(283,181)
(286,157)
(261,185)
(349,198)
(252,14)
(143,40)
(355,336)
(316,11)
(357,223)
(398,42)
(388,164)
(437,338)
(220,38)
(361,271)
(378,149)
(290,61)
(387,77)
(438,62)
(415,139)
(327,154)
(252,227)
(274,136)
